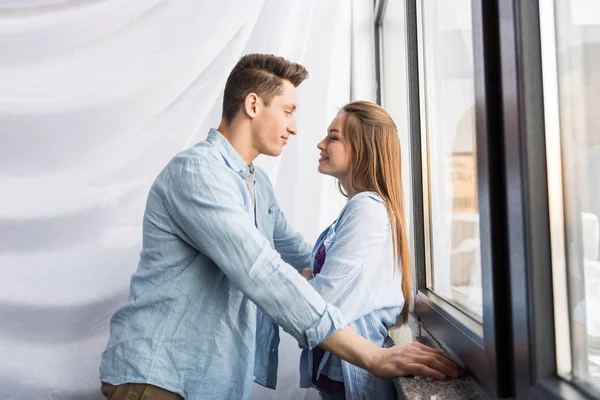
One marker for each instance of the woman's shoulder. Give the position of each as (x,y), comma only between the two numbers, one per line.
(366,206)
(366,200)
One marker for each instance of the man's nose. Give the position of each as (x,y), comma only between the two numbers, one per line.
(292,128)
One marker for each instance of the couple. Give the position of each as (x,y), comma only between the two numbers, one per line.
(221,270)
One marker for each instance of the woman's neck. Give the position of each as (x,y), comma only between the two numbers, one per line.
(349,189)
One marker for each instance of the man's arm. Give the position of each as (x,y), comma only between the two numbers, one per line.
(346,279)
(208,213)
(292,247)
(342,282)
(399,360)
(207,209)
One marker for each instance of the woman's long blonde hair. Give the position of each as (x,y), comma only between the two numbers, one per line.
(376,166)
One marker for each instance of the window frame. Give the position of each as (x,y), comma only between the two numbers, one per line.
(512,354)
(533,326)
(479,346)
(379,7)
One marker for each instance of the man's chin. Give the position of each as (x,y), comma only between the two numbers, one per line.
(274,152)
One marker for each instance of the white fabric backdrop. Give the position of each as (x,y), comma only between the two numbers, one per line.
(95,98)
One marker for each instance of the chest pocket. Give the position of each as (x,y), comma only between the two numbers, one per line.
(269,225)
(266,210)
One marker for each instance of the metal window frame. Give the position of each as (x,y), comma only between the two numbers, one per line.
(529,221)
(479,346)
(379,10)
(512,354)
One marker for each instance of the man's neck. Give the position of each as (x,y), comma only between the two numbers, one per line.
(239,136)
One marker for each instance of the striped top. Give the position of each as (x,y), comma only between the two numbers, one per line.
(322,382)
(359,278)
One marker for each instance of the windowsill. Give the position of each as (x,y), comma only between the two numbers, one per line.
(421,388)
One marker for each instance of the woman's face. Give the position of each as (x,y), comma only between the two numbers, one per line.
(335,151)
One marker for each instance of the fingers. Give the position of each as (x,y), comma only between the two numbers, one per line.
(442,358)
(452,365)
(434,359)
(437,363)
(307,273)
(427,349)
(417,359)
(424,370)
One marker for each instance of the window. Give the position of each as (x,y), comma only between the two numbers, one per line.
(505,173)
(393,94)
(449,158)
(454,217)
(571,40)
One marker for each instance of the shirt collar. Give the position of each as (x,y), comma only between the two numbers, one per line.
(232,158)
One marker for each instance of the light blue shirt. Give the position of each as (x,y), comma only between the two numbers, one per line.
(191,323)
(359,277)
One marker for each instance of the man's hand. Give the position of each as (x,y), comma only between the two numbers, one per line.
(414,359)
(400,360)
(307,273)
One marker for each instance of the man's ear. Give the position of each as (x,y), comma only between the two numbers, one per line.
(251,104)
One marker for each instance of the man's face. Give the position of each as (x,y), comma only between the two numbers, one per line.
(273,124)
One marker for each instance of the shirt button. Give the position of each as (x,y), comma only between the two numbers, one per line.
(255,379)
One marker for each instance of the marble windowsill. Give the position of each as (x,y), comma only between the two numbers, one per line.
(421,388)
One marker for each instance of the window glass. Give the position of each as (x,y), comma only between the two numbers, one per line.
(448,92)
(577,47)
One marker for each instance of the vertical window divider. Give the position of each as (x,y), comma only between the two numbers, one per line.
(493,208)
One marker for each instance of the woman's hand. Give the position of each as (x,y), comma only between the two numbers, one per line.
(307,273)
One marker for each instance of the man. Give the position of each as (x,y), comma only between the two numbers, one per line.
(216,247)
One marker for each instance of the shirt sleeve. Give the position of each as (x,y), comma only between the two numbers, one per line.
(208,212)
(343,280)
(292,247)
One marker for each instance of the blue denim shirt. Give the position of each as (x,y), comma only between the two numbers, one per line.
(191,323)
(359,277)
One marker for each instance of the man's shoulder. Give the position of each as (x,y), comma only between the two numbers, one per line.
(190,164)
(200,154)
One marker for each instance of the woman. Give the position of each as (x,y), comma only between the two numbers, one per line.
(361,262)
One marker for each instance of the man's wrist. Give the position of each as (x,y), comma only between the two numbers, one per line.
(373,358)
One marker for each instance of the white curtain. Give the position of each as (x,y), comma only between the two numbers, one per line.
(95,98)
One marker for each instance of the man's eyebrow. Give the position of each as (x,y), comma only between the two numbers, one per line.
(292,106)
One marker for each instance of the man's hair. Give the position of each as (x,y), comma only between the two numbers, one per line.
(262,74)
